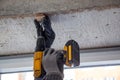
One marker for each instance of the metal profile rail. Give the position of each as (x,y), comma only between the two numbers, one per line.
(88,58)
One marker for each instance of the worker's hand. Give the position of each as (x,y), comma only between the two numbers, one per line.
(53,62)
(39,16)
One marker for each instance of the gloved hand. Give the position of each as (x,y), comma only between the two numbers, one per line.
(43,26)
(53,62)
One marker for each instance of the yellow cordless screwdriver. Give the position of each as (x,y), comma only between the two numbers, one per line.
(45,38)
(40,47)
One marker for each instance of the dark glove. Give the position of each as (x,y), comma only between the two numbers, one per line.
(53,62)
(44,29)
(48,31)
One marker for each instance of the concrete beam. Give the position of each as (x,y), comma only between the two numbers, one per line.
(12,7)
(90,28)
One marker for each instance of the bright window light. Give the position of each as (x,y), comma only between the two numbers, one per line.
(12,76)
(92,73)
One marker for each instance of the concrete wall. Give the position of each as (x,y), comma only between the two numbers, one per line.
(11,7)
(90,28)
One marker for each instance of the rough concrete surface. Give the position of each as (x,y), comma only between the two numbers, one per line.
(11,7)
(90,29)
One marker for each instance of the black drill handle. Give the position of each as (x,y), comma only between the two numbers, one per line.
(40,45)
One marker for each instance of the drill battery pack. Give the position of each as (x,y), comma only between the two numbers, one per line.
(72,55)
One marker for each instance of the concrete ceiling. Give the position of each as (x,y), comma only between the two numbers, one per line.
(11,7)
(97,26)
(91,29)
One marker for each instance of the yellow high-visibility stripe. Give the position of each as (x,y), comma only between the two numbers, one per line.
(70,53)
(67,56)
(65,48)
